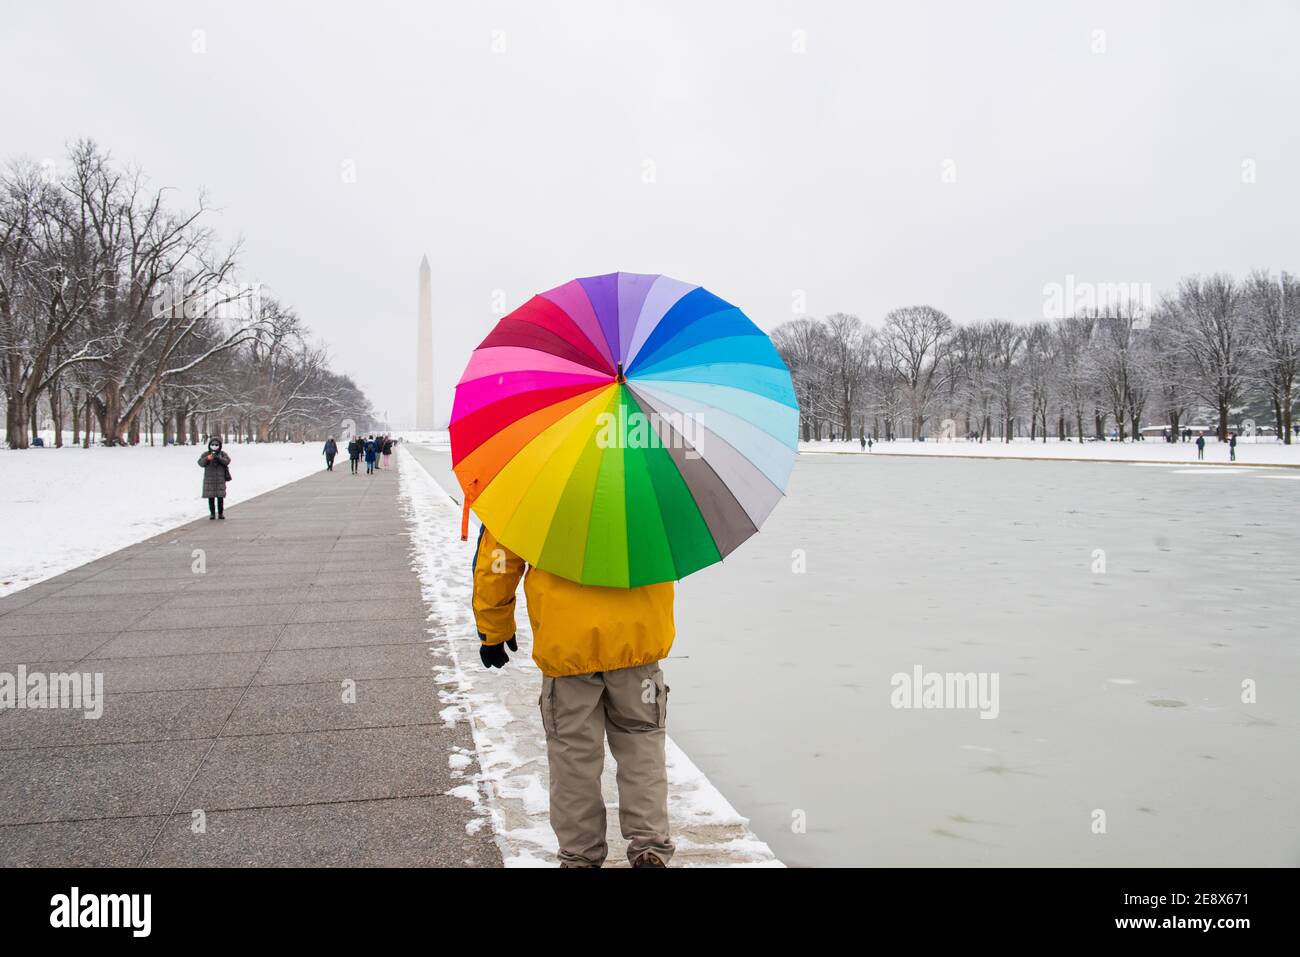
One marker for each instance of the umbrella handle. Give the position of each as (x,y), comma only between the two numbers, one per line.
(464,521)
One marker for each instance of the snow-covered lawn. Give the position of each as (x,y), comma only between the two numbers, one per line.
(1262,451)
(64,507)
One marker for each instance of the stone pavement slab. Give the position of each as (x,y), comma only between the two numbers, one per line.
(269,675)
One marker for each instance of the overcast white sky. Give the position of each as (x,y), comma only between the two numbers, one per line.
(518,168)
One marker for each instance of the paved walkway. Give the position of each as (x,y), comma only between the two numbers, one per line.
(225,738)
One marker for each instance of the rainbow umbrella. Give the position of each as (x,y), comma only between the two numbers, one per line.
(624,429)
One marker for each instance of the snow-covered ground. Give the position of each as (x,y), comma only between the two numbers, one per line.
(501,707)
(1250,451)
(64,507)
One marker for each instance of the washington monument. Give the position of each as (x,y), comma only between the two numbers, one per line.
(425,411)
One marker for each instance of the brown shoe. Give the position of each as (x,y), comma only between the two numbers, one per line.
(576,864)
(649,859)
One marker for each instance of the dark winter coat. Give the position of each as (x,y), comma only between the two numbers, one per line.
(354,449)
(372,449)
(388,446)
(214,473)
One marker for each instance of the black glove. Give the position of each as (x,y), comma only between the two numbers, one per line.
(494,656)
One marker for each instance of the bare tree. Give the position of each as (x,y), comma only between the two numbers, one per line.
(1074,373)
(805,347)
(1168,372)
(1214,343)
(1123,361)
(1039,361)
(848,357)
(1209,324)
(47,285)
(164,288)
(113,302)
(1273,308)
(914,339)
(1007,373)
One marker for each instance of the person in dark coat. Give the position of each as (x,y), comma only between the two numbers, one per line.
(372,453)
(214,463)
(354,452)
(1232,447)
(1200,446)
(331,450)
(387,449)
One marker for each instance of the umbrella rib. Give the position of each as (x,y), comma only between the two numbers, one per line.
(663,525)
(519,499)
(718,437)
(686,444)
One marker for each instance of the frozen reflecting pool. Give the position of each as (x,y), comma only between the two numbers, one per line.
(1124,610)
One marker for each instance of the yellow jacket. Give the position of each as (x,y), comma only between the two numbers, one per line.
(577,629)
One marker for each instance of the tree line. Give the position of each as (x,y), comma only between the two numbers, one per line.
(121,316)
(1218,354)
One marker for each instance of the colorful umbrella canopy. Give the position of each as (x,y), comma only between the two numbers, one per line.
(624,429)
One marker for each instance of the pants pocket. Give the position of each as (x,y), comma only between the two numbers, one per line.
(546,703)
(661,699)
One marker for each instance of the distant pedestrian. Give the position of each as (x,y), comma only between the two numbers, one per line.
(355,448)
(372,453)
(870,442)
(862,440)
(331,450)
(216,472)
(388,451)
(1200,446)
(1232,447)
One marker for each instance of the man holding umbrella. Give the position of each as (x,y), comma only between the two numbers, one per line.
(613,435)
(599,651)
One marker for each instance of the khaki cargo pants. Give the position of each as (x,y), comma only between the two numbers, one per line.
(630,706)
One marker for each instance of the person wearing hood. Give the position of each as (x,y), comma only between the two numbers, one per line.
(354,452)
(216,472)
(331,450)
(372,453)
